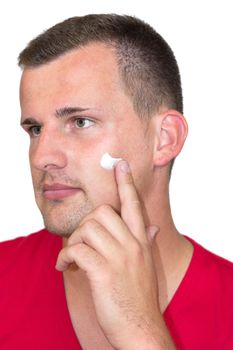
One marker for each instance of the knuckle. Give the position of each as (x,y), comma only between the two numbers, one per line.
(72,239)
(74,250)
(101,276)
(88,228)
(137,251)
(123,259)
(136,203)
(89,224)
(133,257)
(102,210)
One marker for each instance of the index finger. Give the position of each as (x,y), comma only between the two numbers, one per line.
(131,208)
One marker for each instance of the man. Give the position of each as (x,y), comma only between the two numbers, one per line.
(125,278)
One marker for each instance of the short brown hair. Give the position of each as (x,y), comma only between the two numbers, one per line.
(147,64)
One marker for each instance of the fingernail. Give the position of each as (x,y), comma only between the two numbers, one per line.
(152,231)
(125,166)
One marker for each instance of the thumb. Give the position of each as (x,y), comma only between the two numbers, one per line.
(151,232)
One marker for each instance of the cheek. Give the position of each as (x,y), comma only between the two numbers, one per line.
(100,185)
(88,156)
(86,165)
(136,148)
(139,151)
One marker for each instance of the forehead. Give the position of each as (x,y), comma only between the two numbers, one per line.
(92,67)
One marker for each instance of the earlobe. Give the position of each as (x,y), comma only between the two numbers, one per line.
(172,130)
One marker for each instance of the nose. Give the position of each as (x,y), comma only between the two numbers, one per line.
(48,152)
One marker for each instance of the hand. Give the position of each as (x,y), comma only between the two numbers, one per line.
(116,255)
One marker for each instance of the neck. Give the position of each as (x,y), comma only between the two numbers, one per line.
(172,252)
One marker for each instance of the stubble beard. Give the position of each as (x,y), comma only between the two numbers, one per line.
(63,222)
(62,217)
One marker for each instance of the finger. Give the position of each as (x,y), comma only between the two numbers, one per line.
(82,255)
(95,235)
(111,221)
(151,232)
(131,209)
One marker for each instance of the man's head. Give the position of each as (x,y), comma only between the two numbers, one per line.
(147,65)
(120,75)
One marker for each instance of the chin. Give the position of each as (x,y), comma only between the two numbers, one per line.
(59,231)
(63,221)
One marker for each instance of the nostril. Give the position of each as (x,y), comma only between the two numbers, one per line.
(50,166)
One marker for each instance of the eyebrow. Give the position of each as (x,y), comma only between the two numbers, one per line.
(29,121)
(59,113)
(66,111)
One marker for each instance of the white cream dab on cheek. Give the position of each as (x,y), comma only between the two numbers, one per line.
(107,162)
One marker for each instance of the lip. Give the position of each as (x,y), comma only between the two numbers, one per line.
(59,191)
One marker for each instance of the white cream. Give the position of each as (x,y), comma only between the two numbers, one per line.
(107,162)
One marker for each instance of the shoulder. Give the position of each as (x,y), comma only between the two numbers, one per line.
(209,261)
(39,237)
(27,247)
(213,275)
(212,288)
(15,242)
(202,306)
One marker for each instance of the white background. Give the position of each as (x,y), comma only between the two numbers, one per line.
(200,33)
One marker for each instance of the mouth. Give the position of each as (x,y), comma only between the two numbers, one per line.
(59,191)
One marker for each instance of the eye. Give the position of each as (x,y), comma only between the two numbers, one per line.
(34,131)
(82,123)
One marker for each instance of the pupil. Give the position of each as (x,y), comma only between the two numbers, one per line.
(80,122)
(37,130)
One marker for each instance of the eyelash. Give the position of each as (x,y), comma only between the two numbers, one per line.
(30,130)
(74,120)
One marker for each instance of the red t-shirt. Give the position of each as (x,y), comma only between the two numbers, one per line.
(34,313)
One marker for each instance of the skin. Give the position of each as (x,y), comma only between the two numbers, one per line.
(123,278)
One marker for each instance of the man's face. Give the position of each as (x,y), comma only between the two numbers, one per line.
(75,110)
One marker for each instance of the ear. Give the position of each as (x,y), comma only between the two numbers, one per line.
(171,130)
